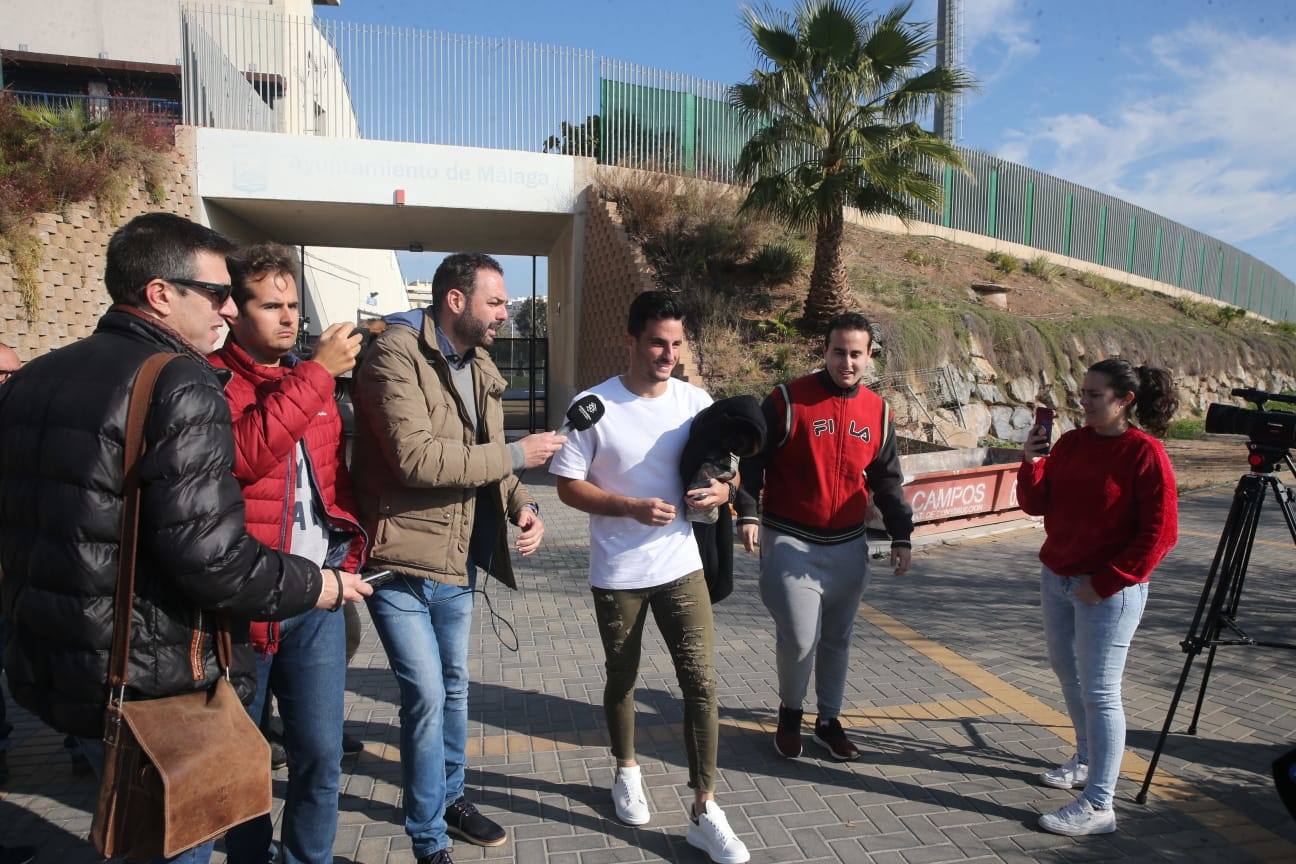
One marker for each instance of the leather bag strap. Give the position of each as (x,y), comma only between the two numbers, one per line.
(124,600)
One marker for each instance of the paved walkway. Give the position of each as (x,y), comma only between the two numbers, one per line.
(951,701)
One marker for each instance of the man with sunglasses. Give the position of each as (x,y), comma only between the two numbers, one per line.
(62,431)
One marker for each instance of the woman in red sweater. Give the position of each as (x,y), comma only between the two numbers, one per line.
(1107,495)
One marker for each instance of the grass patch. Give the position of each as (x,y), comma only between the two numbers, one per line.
(918,258)
(1208,313)
(1109,288)
(1042,268)
(1003,262)
(1187,429)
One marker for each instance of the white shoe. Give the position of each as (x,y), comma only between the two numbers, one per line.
(711,833)
(1071,774)
(1079,818)
(628,796)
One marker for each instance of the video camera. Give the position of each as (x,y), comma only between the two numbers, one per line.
(1272,429)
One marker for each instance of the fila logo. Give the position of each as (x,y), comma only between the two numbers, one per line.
(829,427)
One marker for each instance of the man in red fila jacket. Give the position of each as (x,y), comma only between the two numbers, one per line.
(830,450)
(289,460)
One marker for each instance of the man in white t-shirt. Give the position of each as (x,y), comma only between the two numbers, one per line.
(624,472)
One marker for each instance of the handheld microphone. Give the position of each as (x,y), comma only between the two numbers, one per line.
(582,414)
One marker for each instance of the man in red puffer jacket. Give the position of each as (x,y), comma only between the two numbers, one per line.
(289,462)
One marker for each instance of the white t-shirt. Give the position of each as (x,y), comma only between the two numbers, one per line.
(310,534)
(634,450)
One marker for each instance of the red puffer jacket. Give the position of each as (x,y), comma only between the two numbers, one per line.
(273,408)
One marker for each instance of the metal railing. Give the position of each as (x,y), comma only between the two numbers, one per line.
(98,107)
(343,79)
(262,71)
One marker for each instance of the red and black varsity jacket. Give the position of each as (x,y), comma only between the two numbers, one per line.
(828,451)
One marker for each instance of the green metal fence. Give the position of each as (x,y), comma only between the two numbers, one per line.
(261,71)
(658,121)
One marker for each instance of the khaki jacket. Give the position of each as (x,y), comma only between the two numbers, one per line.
(417,465)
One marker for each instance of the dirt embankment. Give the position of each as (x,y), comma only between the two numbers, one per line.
(1217,461)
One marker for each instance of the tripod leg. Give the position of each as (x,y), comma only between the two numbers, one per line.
(1141,797)
(1205,623)
(1234,575)
(1201,691)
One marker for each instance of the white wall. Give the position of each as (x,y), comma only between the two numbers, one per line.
(144,31)
(342,283)
(266,166)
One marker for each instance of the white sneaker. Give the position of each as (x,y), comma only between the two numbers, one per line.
(1079,818)
(711,833)
(1071,774)
(628,796)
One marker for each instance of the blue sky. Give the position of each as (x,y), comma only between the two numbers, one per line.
(1182,106)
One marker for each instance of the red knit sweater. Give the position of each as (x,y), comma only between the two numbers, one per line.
(1109,505)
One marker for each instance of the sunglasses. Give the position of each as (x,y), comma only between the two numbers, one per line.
(218,291)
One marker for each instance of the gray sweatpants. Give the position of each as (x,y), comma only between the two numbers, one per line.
(813,592)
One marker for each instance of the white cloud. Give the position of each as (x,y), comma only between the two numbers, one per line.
(1210,148)
(997,36)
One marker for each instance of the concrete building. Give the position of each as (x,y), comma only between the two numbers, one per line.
(97,52)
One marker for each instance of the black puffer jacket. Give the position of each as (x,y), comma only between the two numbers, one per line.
(733,425)
(62,429)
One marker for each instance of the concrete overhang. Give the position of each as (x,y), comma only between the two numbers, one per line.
(384,226)
(269,166)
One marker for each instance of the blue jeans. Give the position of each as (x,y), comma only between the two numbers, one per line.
(95,754)
(308,677)
(1087,646)
(424,628)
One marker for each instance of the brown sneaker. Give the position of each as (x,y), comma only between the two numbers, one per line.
(787,740)
(830,735)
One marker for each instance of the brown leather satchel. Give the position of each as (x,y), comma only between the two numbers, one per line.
(179,770)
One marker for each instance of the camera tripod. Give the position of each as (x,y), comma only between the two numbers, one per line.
(1217,609)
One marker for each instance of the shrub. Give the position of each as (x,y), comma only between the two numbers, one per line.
(53,157)
(1042,268)
(916,258)
(778,262)
(1003,262)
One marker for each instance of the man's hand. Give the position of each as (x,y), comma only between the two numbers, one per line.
(338,349)
(709,498)
(1036,443)
(900,558)
(652,511)
(539,447)
(1086,593)
(750,535)
(354,588)
(532,532)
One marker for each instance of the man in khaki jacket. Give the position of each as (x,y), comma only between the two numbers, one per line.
(434,482)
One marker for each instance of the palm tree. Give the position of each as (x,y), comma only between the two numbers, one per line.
(835,102)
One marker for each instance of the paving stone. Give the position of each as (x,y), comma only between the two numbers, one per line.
(937,781)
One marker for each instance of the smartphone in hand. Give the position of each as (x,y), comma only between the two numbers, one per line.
(382,577)
(1044,420)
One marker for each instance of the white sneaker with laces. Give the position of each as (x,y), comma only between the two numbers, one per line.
(1079,818)
(711,833)
(628,796)
(1071,774)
